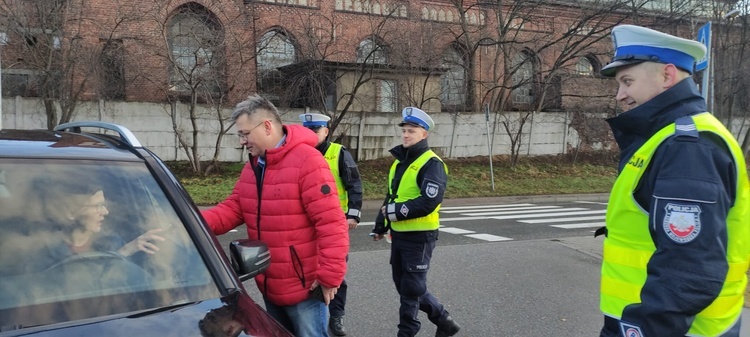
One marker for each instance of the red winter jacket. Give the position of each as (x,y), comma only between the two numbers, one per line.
(297,215)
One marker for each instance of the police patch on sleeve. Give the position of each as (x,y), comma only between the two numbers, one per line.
(404,210)
(630,330)
(431,190)
(682,223)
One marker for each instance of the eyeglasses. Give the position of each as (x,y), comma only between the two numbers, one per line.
(244,135)
(99,206)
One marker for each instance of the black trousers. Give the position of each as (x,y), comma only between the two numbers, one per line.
(410,263)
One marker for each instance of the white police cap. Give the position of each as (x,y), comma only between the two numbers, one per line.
(314,120)
(416,117)
(635,44)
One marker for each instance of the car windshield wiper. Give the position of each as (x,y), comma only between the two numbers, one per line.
(150,312)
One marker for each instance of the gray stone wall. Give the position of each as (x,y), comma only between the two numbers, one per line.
(368,135)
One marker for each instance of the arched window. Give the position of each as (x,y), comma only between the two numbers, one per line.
(583,67)
(523,69)
(275,50)
(195,36)
(587,66)
(370,51)
(453,81)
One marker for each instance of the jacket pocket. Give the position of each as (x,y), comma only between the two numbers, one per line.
(297,265)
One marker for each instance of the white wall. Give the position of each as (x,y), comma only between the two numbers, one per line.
(152,125)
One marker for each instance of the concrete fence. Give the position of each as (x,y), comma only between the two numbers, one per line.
(369,135)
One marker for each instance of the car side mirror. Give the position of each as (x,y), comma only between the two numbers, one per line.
(249,258)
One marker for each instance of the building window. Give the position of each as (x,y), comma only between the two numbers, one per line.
(523,78)
(387,97)
(18,82)
(370,51)
(195,37)
(112,71)
(275,50)
(587,66)
(583,67)
(453,81)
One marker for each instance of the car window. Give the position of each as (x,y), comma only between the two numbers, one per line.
(70,247)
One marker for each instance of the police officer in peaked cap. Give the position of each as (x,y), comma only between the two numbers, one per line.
(677,242)
(349,188)
(416,184)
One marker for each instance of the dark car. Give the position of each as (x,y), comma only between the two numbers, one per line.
(98,238)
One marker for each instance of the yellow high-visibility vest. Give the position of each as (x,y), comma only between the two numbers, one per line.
(629,247)
(332,157)
(409,189)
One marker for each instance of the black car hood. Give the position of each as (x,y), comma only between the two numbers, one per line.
(214,318)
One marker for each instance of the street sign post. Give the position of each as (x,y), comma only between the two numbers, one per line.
(704,37)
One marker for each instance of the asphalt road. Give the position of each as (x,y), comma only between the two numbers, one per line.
(503,267)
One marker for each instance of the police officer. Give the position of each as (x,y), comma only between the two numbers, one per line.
(349,186)
(416,183)
(677,221)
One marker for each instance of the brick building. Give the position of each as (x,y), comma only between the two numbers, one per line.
(336,56)
(339,54)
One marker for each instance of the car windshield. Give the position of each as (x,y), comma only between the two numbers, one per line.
(82,239)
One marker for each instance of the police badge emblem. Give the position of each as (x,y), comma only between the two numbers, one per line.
(432,190)
(630,330)
(682,223)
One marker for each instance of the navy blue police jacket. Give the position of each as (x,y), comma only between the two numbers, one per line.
(683,279)
(432,172)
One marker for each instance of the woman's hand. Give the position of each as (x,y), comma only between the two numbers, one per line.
(145,243)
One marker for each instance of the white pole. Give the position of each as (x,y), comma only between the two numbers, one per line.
(489,142)
(3,40)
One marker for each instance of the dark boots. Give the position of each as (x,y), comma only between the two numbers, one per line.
(336,324)
(448,328)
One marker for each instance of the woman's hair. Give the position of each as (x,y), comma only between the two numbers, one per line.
(61,201)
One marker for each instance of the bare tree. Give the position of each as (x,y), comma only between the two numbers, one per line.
(200,46)
(730,66)
(49,40)
(531,46)
(331,76)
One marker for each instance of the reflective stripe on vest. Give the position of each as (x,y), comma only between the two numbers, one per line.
(629,247)
(332,157)
(408,189)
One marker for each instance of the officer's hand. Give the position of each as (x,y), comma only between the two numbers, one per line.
(377,237)
(382,210)
(352,223)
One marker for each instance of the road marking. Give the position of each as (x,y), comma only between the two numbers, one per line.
(579,225)
(581,218)
(454,230)
(469,212)
(526,212)
(591,202)
(543,215)
(489,237)
(450,208)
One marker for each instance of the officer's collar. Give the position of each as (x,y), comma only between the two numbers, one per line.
(322,147)
(683,99)
(402,153)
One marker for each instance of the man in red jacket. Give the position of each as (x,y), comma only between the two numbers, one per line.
(286,196)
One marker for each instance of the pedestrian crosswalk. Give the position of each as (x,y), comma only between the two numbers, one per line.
(581,215)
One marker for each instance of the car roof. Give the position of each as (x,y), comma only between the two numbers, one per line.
(69,143)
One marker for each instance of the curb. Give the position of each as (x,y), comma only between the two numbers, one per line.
(374,205)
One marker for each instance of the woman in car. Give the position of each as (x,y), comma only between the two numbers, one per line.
(75,213)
